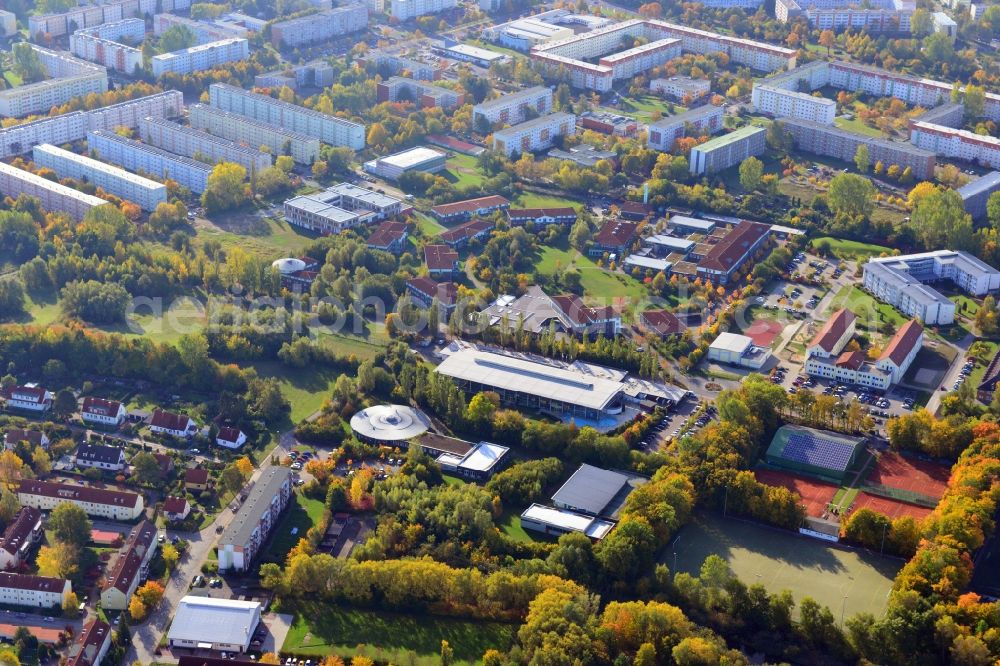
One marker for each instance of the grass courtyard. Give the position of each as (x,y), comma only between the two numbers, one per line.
(849,250)
(600,286)
(842,579)
(265,237)
(463,171)
(872,315)
(303,514)
(393,637)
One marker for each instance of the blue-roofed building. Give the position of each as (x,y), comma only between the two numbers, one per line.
(822,453)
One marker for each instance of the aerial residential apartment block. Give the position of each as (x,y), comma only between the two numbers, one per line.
(956,143)
(33,591)
(130,567)
(142,158)
(239,544)
(201,57)
(193,143)
(97,502)
(335,131)
(68,77)
(900,282)
(303,149)
(22,534)
(87,16)
(319,27)
(874,16)
(728,150)
(533,135)
(701,121)
(54,197)
(8,23)
(424,95)
(145,193)
(203,31)
(103,44)
(407,9)
(514,108)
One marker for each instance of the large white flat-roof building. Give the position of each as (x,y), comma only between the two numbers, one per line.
(736,349)
(331,130)
(391,167)
(320,26)
(103,44)
(343,206)
(728,150)
(256,519)
(147,194)
(142,158)
(207,623)
(190,142)
(536,134)
(549,520)
(252,133)
(68,77)
(977,192)
(900,282)
(54,197)
(480,463)
(201,57)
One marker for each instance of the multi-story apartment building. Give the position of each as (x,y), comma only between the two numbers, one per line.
(728,150)
(873,16)
(141,158)
(533,135)
(130,567)
(253,133)
(819,139)
(407,9)
(976,193)
(256,519)
(514,108)
(102,412)
(69,77)
(343,206)
(147,194)
(681,87)
(319,27)
(167,104)
(328,129)
(21,535)
(8,23)
(97,502)
(92,645)
(956,143)
(54,197)
(901,282)
(424,95)
(397,64)
(33,591)
(203,31)
(30,398)
(103,44)
(781,103)
(87,16)
(701,121)
(200,57)
(196,143)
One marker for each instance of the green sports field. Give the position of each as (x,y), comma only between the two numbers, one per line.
(783,560)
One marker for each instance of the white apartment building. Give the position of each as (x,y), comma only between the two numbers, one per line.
(30,397)
(728,150)
(97,502)
(407,9)
(194,143)
(54,197)
(853,367)
(99,411)
(900,282)
(69,77)
(203,31)
(700,121)
(202,56)
(328,129)
(86,16)
(319,27)
(533,135)
(256,519)
(103,44)
(780,103)
(33,591)
(343,206)
(147,194)
(141,158)
(99,456)
(681,87)
(513,108)
(8,23)
(253,133)
(874,16)
(956,143)
(130,567)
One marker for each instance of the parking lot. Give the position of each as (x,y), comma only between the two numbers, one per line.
(686,419)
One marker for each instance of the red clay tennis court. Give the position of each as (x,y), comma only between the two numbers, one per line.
(919,476)
(888,507)
(764,331)
(816,495)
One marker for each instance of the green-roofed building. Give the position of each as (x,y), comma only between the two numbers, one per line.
(728,150)
(828,455)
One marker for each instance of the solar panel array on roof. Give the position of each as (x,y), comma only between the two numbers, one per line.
(808,448)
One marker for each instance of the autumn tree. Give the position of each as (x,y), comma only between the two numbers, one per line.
(170,556)
(70,524)
(827,39)
(136,609)
(852,194)
(751,171)
(10,468)
(56,561)
(225,189)
(862,158)
(939,220)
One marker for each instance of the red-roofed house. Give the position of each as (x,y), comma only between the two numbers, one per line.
(458,237)
(21,535)
(461,211)
(901,350)
(634,210)
(835,334)
(14,436)
(130,567)
(542,217)
(196,479)
(175,425)
(97,502)
(176,508)
(733,252)
(30,398)
(661,322)
(615,237)
(92,645)
(231,438)
(586,320)
(102,412)
(389,237)
(33,591)
(441,260)
(424,291)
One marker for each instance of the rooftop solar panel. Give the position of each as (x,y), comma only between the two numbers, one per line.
(810,449)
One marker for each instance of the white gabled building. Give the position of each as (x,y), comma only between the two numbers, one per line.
(231,438)
(97,502)
(29,397)
(99,411)
(175,425)
(33,591)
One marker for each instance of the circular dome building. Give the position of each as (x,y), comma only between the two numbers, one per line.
(288,265)
(389,424)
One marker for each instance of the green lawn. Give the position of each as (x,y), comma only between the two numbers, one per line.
(13,80)
(645,107)
(270,238)
(976,376)
(850,250)
(510,524)
(305,389)
(852,580)
(858,127)
(393,637)
(599,284)
(302,515)
(464,171)
(872,315)
(535,200)
(965,306)
(428,226)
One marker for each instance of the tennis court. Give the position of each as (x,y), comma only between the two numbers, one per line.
(888,507)
(838,577)
(815,495)
(918,476)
